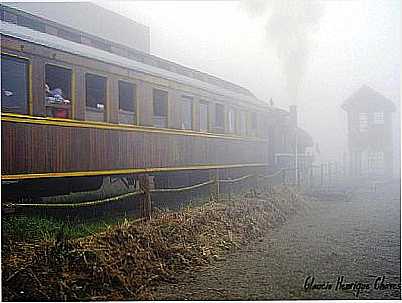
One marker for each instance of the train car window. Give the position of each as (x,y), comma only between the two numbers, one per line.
(10,17)
(14,85)
(31,23)
(219,116)
(1,13)
(203,116)
(253,120)
(231,120)
(186,112)
(101,45)
(242,123)
(160,102)
(68,35)
(127,103)
(58,91)
(95,87)
(253,124)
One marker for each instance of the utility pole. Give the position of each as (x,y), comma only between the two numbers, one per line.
(296,161)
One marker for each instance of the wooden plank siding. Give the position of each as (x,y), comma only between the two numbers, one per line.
(40,148)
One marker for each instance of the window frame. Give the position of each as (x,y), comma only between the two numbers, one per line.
(204,102)
(363,127)
(187,99)
(234,122)
(157,88)
(107,105)
(242,130)
(29,79)
(378,118)
(216,125)
(72,86)
(135,100)
(376,160)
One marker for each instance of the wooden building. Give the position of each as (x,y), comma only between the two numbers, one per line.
(369,116)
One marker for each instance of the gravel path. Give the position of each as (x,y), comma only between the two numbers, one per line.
(359,240)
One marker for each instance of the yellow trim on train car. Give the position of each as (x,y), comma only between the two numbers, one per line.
(124,171)
(18,118)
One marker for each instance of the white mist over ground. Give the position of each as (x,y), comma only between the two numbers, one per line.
(341,46)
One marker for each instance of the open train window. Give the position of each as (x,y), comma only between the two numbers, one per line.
(95,87)
(160,102)
(204,117)
(219,116)
(58,91)
(127,103)
(14,85)
(186,112)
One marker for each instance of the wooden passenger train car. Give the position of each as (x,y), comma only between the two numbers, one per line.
(74,112)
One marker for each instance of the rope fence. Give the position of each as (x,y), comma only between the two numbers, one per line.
(115,199)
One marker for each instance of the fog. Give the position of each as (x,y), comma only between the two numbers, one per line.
(313,54)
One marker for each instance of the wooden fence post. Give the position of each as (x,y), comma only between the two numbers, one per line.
(146,207)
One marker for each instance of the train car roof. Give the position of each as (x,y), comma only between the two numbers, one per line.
(27,34)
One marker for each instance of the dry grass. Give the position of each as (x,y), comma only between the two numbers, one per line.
(126,260)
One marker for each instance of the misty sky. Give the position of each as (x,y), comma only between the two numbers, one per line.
(349,43)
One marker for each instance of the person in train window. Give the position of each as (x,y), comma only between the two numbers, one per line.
(55,96)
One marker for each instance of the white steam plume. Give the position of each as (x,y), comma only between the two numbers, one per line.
(289,28)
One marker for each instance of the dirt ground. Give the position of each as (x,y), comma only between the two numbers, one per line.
(358,240)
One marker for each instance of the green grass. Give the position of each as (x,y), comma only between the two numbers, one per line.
(35,227)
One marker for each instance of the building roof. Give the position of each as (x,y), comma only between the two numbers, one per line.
(58,43)
(368,100)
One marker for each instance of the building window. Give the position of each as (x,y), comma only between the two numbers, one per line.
(14,85)
(186,112)
(378,118)
(231,120)
(376,161)
(127,103)
(160,102)
(363,122)
(219,116)
(95,87)
(242,123)
(58,91)
(204,117)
